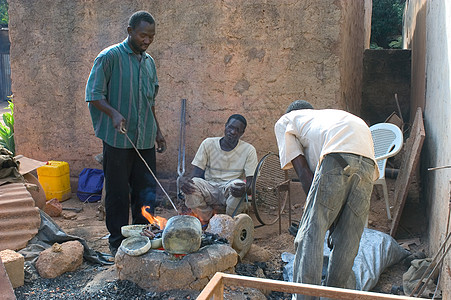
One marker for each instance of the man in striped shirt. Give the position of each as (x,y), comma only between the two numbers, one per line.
(121,92)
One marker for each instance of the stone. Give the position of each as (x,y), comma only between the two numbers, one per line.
(212,259)
(53,208)
(159,271)
(257,253)
(59,259)
(70,215)
(14,265)
(222,225)
(5,285)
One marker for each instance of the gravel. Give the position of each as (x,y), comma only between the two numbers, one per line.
(70,286)
(82,284)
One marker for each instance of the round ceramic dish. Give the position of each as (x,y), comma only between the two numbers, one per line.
(156,243)
(132,230)
(135,245)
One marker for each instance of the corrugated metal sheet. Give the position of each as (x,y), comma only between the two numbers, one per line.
(19,218)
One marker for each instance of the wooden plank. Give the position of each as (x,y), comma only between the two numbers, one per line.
(295,288)
(410,161)
(214,288)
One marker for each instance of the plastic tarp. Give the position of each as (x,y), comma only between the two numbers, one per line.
(50,233)
(377,251)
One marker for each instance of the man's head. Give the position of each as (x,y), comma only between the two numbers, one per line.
(234,128)
(141,31)
(297,105)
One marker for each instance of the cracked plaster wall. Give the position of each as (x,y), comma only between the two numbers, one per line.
(248,57)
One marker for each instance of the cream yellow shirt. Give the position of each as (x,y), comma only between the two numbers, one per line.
(314,133)
(222,166)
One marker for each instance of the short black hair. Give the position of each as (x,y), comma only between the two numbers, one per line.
(239,118)
(297,105)
(139,16)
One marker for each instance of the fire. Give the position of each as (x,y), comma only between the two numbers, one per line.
(160,221)
(191,213)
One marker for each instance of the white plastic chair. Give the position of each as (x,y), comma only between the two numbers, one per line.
(388,140)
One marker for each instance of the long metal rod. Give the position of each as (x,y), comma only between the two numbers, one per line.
(433,271)
(430,266)
(181,154)
(151,172)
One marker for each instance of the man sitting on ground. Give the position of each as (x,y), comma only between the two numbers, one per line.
(220,165)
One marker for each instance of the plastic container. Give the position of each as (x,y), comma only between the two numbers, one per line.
(55,180)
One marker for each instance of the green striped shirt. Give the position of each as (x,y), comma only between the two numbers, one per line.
(128,85)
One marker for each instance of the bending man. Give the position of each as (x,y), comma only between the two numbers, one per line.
(333,156)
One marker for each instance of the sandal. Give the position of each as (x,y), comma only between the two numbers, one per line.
(293,229)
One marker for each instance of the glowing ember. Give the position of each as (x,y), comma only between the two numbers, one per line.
(160,221)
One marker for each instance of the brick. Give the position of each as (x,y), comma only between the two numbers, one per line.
(14,265)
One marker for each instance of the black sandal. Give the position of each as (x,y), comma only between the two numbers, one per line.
(293,229)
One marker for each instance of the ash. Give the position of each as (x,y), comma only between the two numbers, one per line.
(69,286)
(212,238)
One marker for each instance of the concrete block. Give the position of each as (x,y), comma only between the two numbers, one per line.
(14,265)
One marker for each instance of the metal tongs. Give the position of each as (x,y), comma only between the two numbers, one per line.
(181,154)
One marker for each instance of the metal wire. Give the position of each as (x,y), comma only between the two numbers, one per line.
(151,172)
(268,192)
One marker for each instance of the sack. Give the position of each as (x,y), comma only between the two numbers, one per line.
(90,185)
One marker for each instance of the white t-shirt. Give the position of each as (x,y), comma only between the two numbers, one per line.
(222,166)
(314,133)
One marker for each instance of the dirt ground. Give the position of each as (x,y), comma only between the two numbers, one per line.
(264,258)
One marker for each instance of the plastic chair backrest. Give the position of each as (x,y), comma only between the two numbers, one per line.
(388,140)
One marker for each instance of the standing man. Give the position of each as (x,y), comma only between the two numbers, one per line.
(121,93)
(220,165)
(333,156)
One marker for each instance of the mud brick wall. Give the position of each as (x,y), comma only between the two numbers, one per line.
(250,57)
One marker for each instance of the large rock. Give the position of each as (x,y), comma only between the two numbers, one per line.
(222,225)
(59,259)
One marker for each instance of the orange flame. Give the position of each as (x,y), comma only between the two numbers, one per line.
(160,221)
(191,213)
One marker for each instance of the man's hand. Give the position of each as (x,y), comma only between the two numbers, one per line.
(187,186)
(161,142)
(120,125)
(238,189)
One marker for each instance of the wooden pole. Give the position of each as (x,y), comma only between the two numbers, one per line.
(288,287)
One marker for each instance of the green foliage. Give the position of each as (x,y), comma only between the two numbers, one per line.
(386,21)
(7,128)
(374,46)
(3,13)
(397,43)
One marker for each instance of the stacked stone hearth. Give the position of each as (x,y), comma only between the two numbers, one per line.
(160,271)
